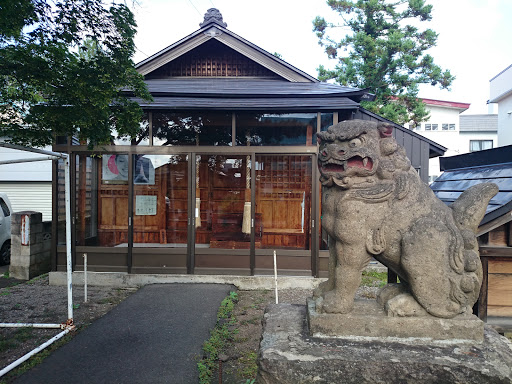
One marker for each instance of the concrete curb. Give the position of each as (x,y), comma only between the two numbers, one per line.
(120,279)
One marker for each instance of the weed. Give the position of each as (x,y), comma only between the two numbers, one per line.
(372,278)
(76,306)
(5,345)
(5,292)
(6,274)
(37,278)
(249,363)
(254,320)
(24,334)
(219,336)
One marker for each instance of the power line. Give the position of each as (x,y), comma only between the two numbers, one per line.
(190,1)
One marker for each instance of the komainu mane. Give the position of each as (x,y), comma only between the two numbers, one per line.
(375,205)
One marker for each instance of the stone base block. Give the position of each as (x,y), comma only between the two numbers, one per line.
(368,319)
(289,355)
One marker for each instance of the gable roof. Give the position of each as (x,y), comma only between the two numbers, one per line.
(464,171)
(213,28)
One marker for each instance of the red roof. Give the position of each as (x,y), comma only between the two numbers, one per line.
(450,104)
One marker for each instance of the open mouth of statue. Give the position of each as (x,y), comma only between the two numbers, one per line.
(360,162)
(353,162)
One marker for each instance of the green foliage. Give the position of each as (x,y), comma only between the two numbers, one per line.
(219,336)
(249,362)
(63,65)
(371,278)
(383,54)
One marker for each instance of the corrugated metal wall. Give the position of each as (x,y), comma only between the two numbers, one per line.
(30,196)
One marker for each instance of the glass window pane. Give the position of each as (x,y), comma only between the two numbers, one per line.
(112,195)
(86,221)
(160,201)
(283,201)
(201,128)
(275,129)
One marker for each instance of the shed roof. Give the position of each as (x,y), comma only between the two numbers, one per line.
(464,171)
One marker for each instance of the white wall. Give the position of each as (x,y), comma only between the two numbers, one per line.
(30,196)
(501,92)
(505,121)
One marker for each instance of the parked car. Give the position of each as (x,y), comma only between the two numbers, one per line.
(5,229)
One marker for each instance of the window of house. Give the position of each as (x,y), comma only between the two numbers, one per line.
(415,127)
(479,145)
(448,127)
(431,127)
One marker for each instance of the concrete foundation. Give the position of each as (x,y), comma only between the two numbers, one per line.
(120,279)
(368,319)
(289,355)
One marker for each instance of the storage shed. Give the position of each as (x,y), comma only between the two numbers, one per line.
(223,171)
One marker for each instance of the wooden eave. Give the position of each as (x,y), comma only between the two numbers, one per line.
(231,40)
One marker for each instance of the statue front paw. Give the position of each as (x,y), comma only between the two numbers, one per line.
(335,303)
(323,287)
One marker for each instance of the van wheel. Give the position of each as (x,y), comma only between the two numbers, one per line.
(5,253)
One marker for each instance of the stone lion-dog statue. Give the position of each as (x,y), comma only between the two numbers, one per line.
(374,204)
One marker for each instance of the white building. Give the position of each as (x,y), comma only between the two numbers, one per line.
(458,133)
(501,93)
(28,185)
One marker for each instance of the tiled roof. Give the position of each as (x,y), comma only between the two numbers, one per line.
(464,171)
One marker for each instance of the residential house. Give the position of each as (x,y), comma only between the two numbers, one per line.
(458,133)
(501,94)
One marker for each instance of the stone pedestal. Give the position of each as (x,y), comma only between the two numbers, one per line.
(30,245)
(368,319)
(288,354)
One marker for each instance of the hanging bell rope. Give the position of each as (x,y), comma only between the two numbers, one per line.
(198,195)
(246,221)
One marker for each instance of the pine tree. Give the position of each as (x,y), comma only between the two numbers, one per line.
(385,53)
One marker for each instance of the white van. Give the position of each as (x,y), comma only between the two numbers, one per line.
(5,229)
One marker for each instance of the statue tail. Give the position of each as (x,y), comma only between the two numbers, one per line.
(468,211)
(469,208)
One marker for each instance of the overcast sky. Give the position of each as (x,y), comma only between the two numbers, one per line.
(474,36)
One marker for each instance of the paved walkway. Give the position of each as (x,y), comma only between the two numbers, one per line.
(154,336)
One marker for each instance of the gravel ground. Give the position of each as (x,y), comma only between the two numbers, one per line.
(36,301)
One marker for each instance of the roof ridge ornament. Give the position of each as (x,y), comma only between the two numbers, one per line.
(213,15)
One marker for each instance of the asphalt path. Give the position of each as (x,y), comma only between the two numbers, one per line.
(154,336)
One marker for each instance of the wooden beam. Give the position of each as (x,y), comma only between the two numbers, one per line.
(496,252)
(494,224)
